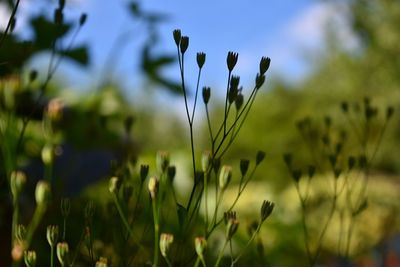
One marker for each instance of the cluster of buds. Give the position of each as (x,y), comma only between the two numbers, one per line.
(166,241)
(182,42)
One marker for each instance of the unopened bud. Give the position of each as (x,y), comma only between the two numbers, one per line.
(266,209)
(42,193)
(33,75)
(20,233)
(162,161)
(102,262)
(206,94)
(200,244)
(114,185)
(184,44)
(206,161)
(231,228)
(177,36)
(225,176)
(48,154)
(82,19)
(311,171)
(244,166)
(345,106)
(30,258)
(144,171)
(264,65)
(389,112)
(239,101)
(17,183)
(52,235)
(231,60)
(153,186)
(260,157)
(166,241)
(201,59)
(296,175)
(63,253)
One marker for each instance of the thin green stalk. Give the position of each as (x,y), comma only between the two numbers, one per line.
(221,253)
(15,219)
(156,233)
(121,215)
(64,227)
(37,217)
(247,244)
(13,13)
(51,256)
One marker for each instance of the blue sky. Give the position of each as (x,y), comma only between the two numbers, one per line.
(286,31)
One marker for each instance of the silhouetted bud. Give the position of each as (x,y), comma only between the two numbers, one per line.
(42,193)
(144,171)
(82,19)
(52,235)
(239,101)
(287,158)
(58,16)
(260,79)
(235,81)
(264,65)
(63,253)
(201,59)
(244,166)
(231,60)
(114,185)
(389,112)
(296,175)
(17,183)
(153,186)
(229,215)
(184,44)
(337,172)
(206,94)
(200,244)
(13,22)
(311,171)
(162,161)
(206,161)
(231,228)
(166,241)
(266,209)
(30,258)
(177,36)
(345,106)
(225,176)
(171,172)
(33,75)
(351,162)
(260,157)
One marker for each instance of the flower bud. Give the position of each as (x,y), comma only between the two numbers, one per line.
(184,44)
(244,166)
(82,19)
(389,112)
(200,244)
(206,94)
(296,175)
(345,106)
(239,101)
(48,154)
(144,171)
(52,235)
(102,262)
(114,185)
(42,193)
(153,186)
(63,253)
(166,241)
(177,36)
(30,258)
(17,183)
(266,209)
(231,60)
(33,75)
(201,59)
(264,65)
(287,158)
(225,176)
(260,157)
(20,233)
(231,228)
(311,171)
(171,172)
(162,161)
(260,79)
(206,160)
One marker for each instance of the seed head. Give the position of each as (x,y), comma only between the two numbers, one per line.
(264,65)
(266,209)
(244,166)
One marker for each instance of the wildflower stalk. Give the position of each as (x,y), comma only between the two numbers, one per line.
(221,253)
(10,22)
(122,215)
(156,232)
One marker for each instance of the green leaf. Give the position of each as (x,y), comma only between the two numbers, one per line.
(46,31)
(79,55)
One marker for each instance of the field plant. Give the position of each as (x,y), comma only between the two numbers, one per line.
(145,221)
(341,158)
